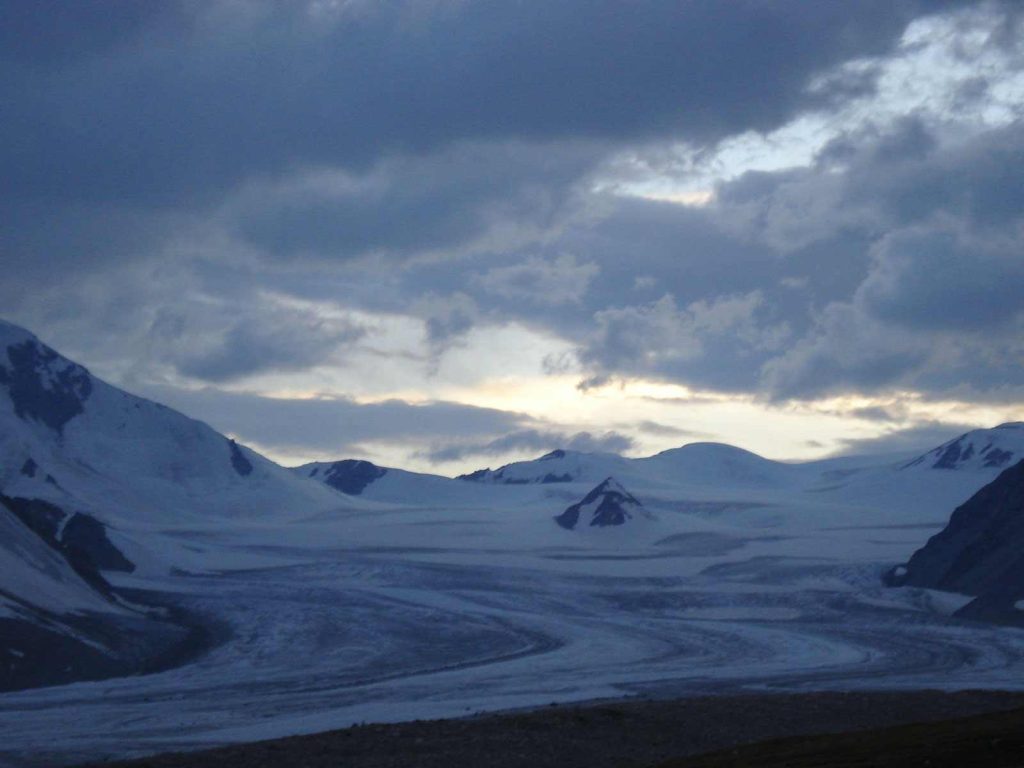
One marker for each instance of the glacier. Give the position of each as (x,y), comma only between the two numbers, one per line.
(424,596)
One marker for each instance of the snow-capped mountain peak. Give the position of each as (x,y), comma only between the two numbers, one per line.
(558,466)
(72,439)
(979,449)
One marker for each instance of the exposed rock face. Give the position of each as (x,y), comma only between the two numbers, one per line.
(80,538)
(43,386)
(558,453)
(498,476)
(979,552)
(558,466)
(85,538)
(351,476)
(983,541)
(241,464)
(607,504)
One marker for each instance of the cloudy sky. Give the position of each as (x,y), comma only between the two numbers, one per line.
(444,234)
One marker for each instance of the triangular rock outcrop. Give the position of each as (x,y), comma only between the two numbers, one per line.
(607,504)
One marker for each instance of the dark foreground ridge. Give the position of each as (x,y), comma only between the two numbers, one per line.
(993,740)
(704,731)
(979,552)
(135,645)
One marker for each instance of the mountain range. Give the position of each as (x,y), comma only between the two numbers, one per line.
(104,494)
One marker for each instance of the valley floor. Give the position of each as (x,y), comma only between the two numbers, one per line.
(650,733)
(385,635)
(397,614)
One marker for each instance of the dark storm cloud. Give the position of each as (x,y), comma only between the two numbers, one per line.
(56,32)
(938,278)
(879,413)
(706,341)
(243,341)
(628,250)
(133,125)
(334,426)
(339,427)
(893,260)
(941,302)
(185,111)
(408,205)
(977,181)
(880,179)
(646,287)
(437,161)
(667,430)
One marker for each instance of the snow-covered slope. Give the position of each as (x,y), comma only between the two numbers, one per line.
(556,467)
(925,488)
(387,485)
(720,465)
(696,464)
(94,480)
(65,434)
(910,490)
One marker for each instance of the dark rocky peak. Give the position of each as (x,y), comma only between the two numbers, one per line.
(477,476)
(351,476)
(521,473)
(42,385)
(239,462)
(606,505)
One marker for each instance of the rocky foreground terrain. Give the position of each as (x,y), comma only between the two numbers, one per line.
(771,730)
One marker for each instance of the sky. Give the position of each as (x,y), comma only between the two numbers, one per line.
(448,234)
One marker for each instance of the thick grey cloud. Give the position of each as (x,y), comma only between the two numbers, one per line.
(221,343)
(879,179)
(589,279)
(534,280)
(940,278)
(165,166)
(467,195)
(893,261)
(665,340)
(184,104)
(341,130)
(54,33)
(846,351)
(667,430)
(335,427)
(941,301)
